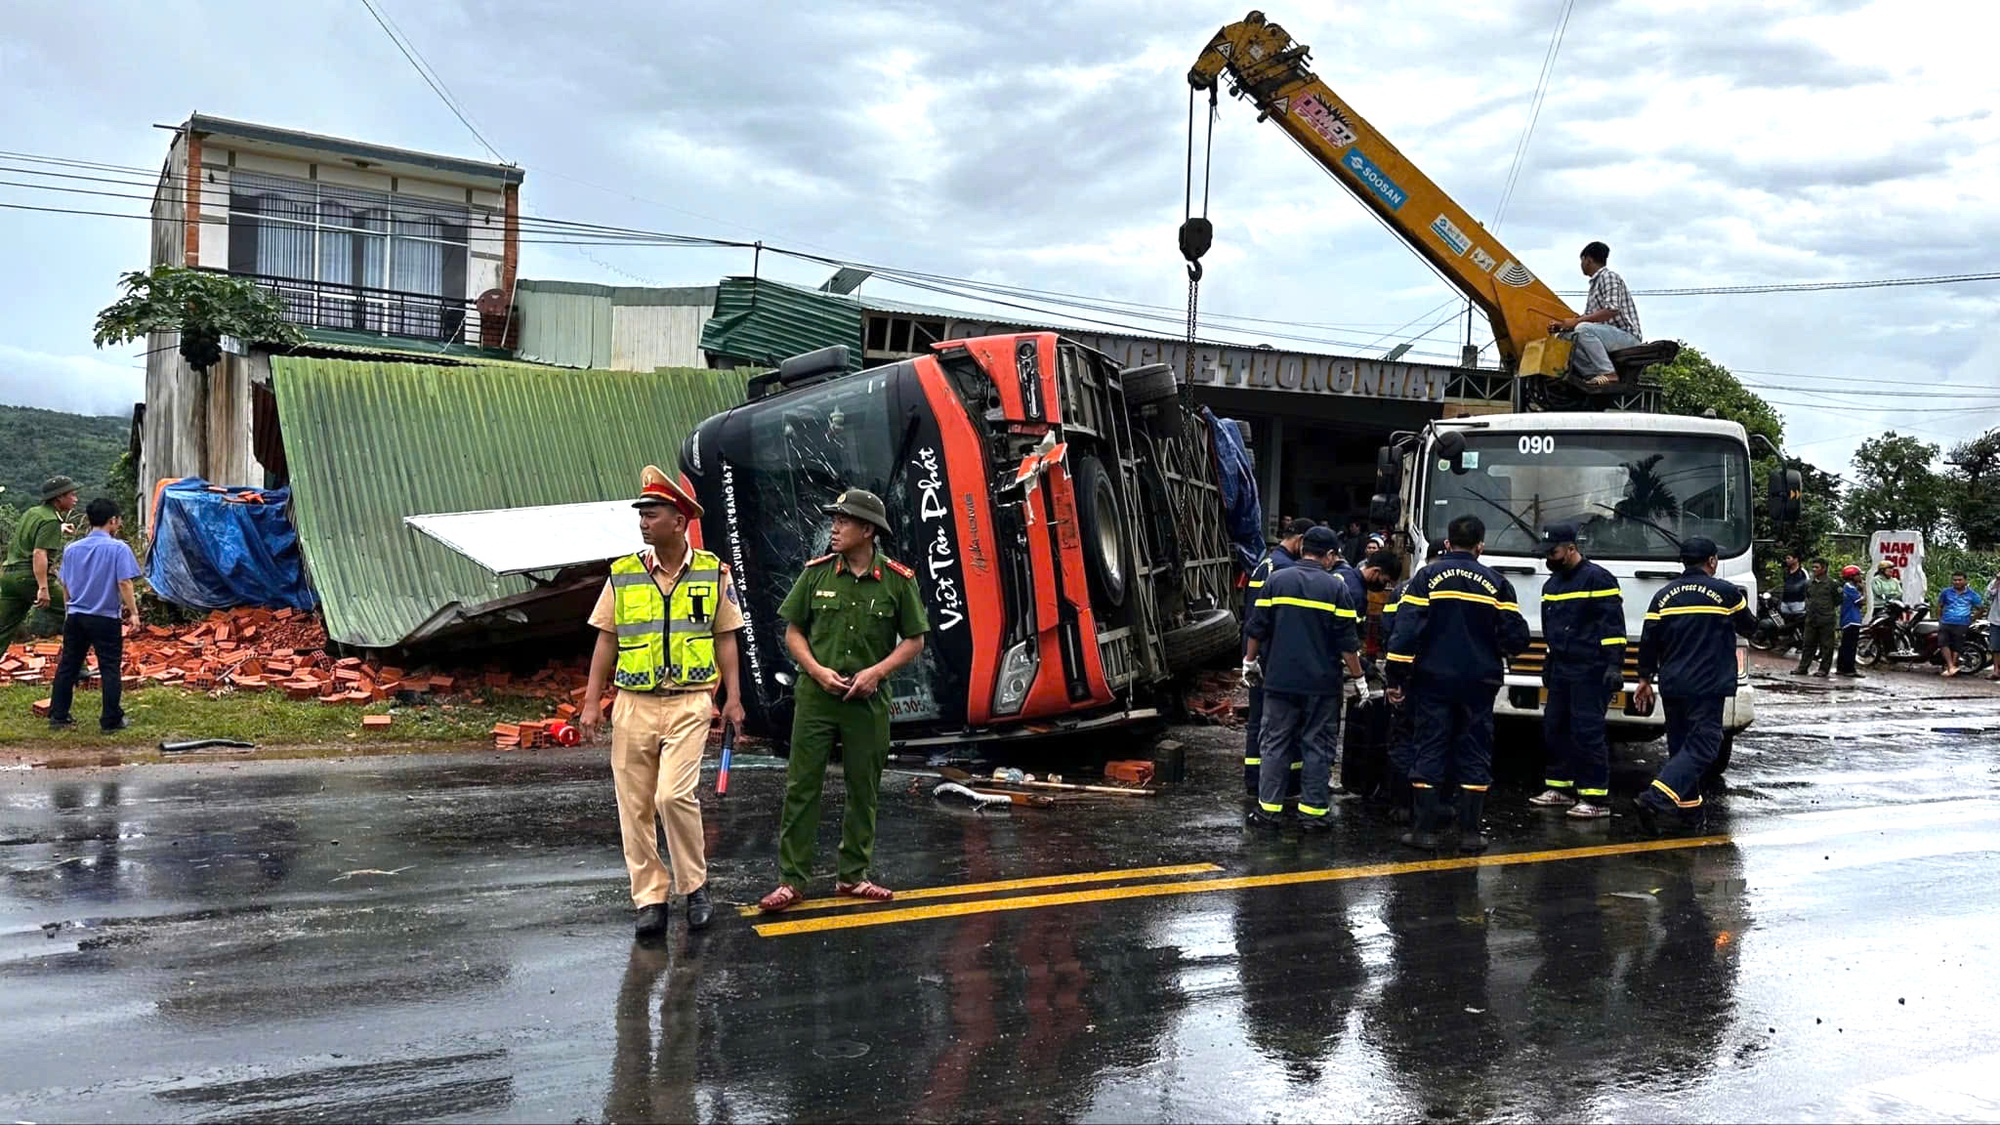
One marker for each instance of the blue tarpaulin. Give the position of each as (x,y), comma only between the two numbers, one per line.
(1242,510)
(213,550)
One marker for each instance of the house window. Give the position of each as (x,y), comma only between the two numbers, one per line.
(344,257)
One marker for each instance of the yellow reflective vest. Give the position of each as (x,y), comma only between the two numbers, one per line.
(661,640)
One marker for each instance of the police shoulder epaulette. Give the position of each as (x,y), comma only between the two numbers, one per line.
(899,568)
(824,558)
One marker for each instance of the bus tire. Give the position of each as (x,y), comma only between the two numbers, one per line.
(1147,385)
(1102,524)
(1202,642)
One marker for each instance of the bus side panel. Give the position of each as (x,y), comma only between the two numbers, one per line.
(967,624)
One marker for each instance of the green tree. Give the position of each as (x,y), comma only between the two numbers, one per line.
(1973,475)
(1694,384)
(9,516)
(202,306)
(1896,486)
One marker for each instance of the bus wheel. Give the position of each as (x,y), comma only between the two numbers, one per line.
(1103,529)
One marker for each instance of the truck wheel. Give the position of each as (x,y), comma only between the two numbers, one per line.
(1209,638)
(1103,531)
(1147,385)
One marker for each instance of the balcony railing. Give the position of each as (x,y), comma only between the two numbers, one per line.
(391,312)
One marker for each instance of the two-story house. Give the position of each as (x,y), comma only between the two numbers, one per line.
(364,244)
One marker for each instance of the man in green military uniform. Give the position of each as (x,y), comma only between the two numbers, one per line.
(30,578)
(853,617)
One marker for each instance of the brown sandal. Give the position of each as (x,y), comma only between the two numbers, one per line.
(865,890)
(784,898)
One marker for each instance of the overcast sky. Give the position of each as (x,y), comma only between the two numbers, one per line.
(1043,145)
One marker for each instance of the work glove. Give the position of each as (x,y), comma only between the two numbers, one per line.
(1365,694)
(1351,690)
(1253,673)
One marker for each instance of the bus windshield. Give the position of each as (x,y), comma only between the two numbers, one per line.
(795,456)
(1632,495)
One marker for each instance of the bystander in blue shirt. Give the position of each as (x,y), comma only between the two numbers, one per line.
(92,569)
(1851,598)
(1955,606)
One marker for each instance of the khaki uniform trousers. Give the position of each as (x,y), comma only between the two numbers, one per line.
(656,743)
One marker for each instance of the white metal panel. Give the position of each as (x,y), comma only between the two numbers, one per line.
(648,337)
(523,540)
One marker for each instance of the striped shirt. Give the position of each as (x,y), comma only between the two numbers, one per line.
(1607,291)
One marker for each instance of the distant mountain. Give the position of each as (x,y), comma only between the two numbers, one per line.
(38,444)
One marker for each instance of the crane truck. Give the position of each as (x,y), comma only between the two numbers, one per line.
(1636,484)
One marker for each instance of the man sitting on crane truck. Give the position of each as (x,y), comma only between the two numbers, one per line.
(1610,320)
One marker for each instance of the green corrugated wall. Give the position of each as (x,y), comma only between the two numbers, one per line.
(369,443)
(764,321)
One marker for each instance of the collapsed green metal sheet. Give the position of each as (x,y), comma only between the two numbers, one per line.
(369,443)
(760,321)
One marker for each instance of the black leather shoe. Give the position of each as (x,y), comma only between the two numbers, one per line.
(652,920)
(61,724)
(114,727)
(699,909)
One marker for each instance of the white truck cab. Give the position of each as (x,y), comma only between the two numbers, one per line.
(1635,485)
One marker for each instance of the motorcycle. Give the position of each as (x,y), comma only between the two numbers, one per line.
(1777,631)
(1905,634)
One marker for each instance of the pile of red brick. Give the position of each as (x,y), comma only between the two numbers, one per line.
(535,734)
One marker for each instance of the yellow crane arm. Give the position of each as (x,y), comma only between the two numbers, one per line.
(1270,70)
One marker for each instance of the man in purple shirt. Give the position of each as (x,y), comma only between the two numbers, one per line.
(98,570)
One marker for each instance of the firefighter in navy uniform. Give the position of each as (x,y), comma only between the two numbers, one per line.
(1301,633)
(1689,642)
(1400,731)
(1456,624)
(1583,622)
(1284,554)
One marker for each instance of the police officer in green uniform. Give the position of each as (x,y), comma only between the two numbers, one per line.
(853,617)
(29,578)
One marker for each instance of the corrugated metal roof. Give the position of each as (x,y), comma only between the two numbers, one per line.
(346,342)
(372,442)
(624,294)
(762,321)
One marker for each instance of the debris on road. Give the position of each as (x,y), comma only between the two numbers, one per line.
(205,744)
(980,801)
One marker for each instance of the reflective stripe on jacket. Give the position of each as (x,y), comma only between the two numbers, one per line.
(1456,621)
(660,643)
(1583,617)
(1304,625)
(1690,635)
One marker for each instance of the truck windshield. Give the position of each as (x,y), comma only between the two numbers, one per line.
(1632,495)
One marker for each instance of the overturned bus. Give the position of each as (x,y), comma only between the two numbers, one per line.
(1064,517)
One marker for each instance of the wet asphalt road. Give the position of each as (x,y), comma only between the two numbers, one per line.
(448,938)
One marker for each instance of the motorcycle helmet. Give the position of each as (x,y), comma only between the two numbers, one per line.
(1850,572)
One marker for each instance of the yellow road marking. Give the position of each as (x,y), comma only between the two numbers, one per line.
(1002,885)
(1204,886)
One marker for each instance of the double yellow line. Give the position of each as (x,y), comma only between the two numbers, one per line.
(894,915)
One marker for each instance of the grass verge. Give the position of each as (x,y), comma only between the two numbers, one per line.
(269,719)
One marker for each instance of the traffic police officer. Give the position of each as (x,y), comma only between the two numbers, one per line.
(1583,624)
(1302,630)
(1689,642)
(667,623)
(854,616)
(1284,554)
(30,578)
(1455,625)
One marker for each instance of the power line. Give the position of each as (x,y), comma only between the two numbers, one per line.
(436,84)
(1534,114)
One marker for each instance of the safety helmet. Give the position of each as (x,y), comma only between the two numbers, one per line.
(1850,572)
